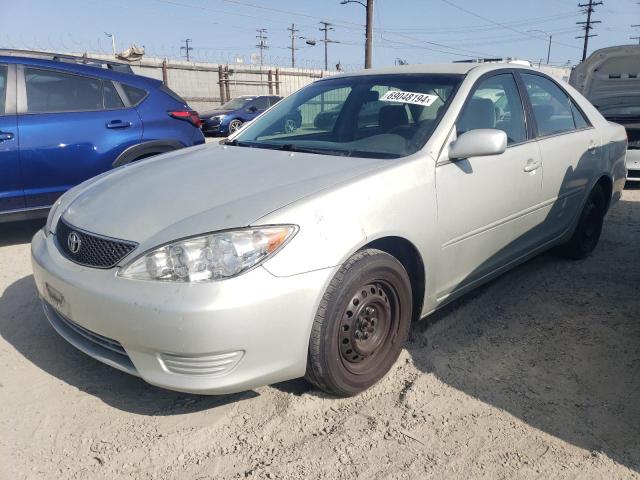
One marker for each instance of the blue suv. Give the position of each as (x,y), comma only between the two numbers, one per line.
(64,121)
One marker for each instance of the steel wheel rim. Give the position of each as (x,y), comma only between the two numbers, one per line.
(368,322)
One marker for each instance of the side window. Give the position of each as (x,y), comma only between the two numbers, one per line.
(3,88)
(111,97)
(552,107)
(578,117)
(261,103)
(495,103)
(135,95)
(274,100)
(51,91)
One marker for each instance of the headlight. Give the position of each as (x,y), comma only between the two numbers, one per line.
(218,117)
(49,225)
(215,256)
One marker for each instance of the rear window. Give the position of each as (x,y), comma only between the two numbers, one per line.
(111,97)
(135,95)
(172,94)
(52,91)
(3,87)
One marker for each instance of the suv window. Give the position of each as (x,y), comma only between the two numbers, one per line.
(3,87)
(111,97)
(274,100)
(552,107)
(135,95)
(261,103)
(50,91)
(495,103)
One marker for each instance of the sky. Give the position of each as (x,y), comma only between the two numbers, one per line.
(415,31)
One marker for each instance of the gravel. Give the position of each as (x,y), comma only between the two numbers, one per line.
(536,374)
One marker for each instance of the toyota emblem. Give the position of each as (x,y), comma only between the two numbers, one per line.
(74,242)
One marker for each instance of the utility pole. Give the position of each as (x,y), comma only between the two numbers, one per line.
(293,44)
(262,42)
(326,26)
(368,44)
(549,47)
(187,48)
(637,37)
(587,25)
(113,42)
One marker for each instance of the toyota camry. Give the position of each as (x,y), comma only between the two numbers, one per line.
(280,254)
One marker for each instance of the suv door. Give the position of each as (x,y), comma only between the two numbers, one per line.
(72,127)
(488,206)
(570,149)
(11,193)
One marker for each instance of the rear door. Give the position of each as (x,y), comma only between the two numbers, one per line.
(570,149)
(11,193)
(72,127)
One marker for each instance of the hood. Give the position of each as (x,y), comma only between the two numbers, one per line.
(609,78)
(202,189)
(213,113)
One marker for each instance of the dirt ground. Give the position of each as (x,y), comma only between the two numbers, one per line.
(536,375)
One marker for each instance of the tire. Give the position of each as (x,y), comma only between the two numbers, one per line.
(290,125)
(587,233)
(235,125)
(361,324)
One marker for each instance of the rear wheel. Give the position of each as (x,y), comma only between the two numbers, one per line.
(589,227)
(361,324)
(235,125)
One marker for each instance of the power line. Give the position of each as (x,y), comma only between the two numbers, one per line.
(187,48)
(262,42)
(587,25)
(326,27)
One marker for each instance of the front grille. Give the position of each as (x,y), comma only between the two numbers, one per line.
(633,174)
(92,250)
(93,337)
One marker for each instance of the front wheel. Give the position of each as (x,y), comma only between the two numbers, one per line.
(361,324)
(589,227)
(235,125)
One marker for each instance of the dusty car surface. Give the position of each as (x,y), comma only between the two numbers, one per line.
(309,253)
(609,79)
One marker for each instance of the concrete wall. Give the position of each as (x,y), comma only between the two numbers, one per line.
(200,83)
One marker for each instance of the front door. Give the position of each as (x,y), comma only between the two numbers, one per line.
(487,206)
(11,194)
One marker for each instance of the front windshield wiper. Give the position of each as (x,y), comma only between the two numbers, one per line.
(289,147)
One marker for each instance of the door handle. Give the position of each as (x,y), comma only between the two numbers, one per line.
(5,136)
(532,165)
(118,124)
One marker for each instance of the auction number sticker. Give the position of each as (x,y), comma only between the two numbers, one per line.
(423,99)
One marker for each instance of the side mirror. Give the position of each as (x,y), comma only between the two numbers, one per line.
(252,109)
(478,143)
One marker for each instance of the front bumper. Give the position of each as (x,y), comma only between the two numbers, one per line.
(209,338)
(633,165)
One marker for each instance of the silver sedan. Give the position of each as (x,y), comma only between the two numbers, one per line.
(282,253)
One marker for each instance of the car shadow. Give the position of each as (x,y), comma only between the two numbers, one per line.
(555,343)
(14,233)
(24,325)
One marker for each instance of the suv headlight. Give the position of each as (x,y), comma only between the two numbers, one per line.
(211,257)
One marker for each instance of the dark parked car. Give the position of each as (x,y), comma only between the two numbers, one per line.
(232,115)
(64,121)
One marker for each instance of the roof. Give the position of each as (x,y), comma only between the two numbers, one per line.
(89,70)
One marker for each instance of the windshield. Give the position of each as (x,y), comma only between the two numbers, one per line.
(236,103)
(378,116)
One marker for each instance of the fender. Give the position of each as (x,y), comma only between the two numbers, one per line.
(146,149)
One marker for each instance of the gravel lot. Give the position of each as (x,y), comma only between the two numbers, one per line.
(536,375)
